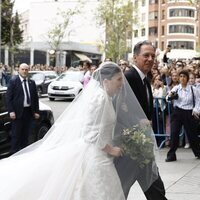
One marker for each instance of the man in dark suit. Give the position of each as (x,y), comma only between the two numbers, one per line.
(23,106)
(144,54)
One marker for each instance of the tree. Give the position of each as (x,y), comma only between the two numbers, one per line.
(6,21)
(58,31)
(11,34)
(117,17)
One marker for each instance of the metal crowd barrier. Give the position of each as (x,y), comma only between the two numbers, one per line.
(160,116)
(164,119)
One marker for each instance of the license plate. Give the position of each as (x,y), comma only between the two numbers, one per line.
(59,92)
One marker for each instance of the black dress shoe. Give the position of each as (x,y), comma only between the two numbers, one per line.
(170,159)
(198,157)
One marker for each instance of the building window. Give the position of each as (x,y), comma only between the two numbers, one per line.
(181,29)
(135,33)
(153,31)
(136,3)
(143,32)
(163,1)
(181,12)
(143,2)
(162,45)
(153,15)
(182,44)
(163,30)
(163,14)
(153,1)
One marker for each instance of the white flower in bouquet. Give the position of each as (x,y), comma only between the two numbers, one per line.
(138,144)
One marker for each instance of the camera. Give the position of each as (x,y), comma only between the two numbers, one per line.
(174,96)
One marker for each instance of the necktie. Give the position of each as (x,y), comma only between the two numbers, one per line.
(146,89)
(26,91)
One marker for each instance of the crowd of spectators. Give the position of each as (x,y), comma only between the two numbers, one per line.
(167,76)
(164,76)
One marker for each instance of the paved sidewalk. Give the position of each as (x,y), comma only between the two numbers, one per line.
(181,178)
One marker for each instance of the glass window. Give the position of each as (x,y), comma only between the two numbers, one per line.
(2,102)
(163,14)
(181,29)
(136,33)
(181,12)
(153,31)
(163,30)
(153,15)
(182,44)
(143,2)
(153,1)
(136,3)
(143,32)
(162,46)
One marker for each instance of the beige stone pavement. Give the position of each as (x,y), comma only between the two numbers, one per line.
(181,178)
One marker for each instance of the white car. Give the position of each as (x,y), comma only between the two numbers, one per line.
(67,86)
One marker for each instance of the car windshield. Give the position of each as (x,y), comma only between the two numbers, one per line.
(38,77)
(72,76)
(30,74)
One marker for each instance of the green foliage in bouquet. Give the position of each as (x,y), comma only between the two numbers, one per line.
(137,143)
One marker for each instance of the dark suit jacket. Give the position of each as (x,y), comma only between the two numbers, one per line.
(136,83)
(15,96)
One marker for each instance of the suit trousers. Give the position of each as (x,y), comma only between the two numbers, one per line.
(20,130)
(184,118)
(129,172)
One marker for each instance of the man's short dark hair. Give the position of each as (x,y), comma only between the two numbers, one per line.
(137,47)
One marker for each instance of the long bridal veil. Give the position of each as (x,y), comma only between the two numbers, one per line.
(54,167)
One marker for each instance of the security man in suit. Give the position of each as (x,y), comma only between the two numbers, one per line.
(144,54)
(23,107)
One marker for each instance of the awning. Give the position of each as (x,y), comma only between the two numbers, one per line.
(82,57)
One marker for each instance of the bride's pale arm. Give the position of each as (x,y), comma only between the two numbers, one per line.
(113,151)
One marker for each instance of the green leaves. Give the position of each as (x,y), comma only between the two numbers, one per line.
(117,17)
(10,30)
(137,143)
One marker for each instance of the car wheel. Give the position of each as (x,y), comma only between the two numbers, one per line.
(51,99)
(39,91)
(42,130)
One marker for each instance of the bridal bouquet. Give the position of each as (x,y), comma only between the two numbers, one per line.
(138,144)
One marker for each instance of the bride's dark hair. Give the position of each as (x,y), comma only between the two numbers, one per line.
(106,71)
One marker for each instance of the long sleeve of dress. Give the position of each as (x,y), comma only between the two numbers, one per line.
(99,124)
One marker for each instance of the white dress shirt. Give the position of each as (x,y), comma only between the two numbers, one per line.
(185,98)
(25,97)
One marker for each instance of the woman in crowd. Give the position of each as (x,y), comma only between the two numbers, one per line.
(184,96)
(87,72)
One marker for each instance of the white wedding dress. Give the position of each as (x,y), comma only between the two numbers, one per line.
(67,168)
(69,163)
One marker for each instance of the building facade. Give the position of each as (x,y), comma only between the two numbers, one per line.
(169,22)
(40,18)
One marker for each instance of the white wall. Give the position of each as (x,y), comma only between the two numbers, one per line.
(82,29)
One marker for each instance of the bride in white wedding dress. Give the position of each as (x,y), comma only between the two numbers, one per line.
(74,161)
